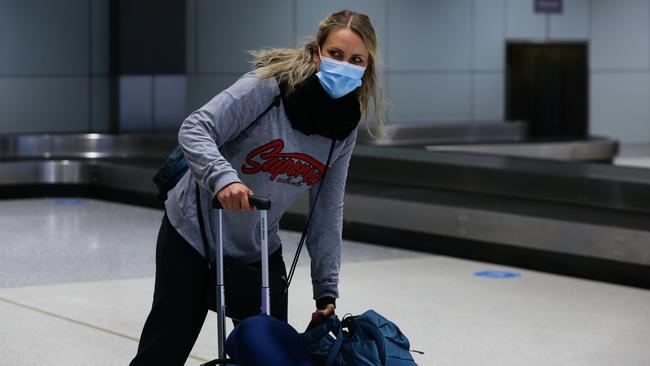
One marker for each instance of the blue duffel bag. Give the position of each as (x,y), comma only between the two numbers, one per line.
(262,340)
(368,339)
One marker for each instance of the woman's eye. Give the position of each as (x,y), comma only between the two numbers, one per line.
(335,54)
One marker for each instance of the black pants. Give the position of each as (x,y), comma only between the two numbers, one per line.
(182,298)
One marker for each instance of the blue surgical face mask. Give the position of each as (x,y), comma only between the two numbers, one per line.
(339,78)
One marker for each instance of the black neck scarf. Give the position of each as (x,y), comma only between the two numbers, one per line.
(312,111)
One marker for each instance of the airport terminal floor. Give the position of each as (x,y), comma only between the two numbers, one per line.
(76,284)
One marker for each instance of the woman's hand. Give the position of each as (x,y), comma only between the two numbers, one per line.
(319,316)
(235,197)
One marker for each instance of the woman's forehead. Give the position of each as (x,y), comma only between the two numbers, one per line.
(347,40)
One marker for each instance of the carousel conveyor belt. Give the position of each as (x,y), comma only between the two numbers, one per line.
(586,220)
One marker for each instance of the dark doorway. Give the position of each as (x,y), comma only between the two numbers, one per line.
(546,85)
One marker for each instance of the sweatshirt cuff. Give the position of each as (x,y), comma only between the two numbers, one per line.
(224,180)
(324,301)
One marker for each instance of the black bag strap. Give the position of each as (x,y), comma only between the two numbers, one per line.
(204,236)
(311,212)
(275,103)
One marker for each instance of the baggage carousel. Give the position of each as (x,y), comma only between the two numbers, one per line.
(566,215)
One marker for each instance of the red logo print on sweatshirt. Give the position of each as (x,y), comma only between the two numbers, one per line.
(289,167)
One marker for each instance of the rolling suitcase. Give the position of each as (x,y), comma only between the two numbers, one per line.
(262,205)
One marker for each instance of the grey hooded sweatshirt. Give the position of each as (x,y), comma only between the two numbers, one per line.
(222,145)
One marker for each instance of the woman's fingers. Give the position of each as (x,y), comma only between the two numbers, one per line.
(235,197)
(319,316)
(233,201)
(243,200)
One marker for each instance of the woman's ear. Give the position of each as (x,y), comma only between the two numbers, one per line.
(316,59)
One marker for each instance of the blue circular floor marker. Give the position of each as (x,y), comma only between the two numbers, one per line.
(497,274)
(69,202)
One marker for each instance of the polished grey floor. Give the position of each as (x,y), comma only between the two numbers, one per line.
(63,240)
(76,285)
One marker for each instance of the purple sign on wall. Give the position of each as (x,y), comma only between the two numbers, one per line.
(548,6)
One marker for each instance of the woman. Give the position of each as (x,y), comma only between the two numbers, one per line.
(240,143)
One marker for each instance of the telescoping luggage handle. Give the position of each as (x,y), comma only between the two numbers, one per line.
(259,202)
(262,204)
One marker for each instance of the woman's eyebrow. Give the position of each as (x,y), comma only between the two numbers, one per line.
(337,49)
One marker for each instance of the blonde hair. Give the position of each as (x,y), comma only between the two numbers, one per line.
(293,65)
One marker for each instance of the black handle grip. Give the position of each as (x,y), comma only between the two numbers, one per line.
(259,202)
